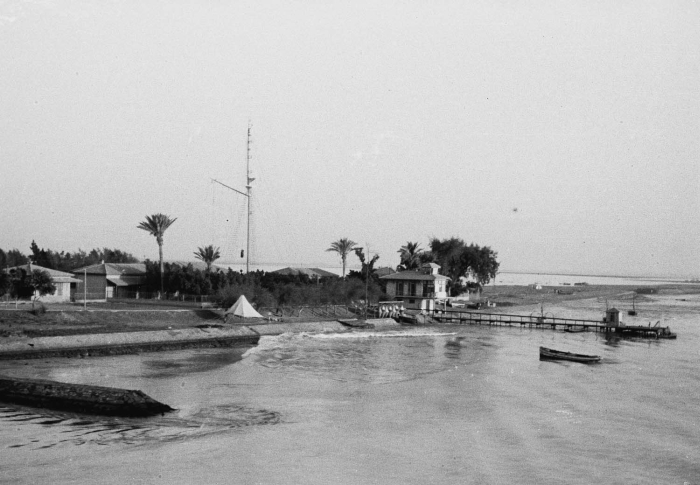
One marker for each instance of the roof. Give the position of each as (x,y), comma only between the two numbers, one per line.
(313,272)
(125,280)
(113,269)
(56,275)
(414,276)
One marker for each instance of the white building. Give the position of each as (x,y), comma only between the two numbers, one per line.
(417,289)
(64,282)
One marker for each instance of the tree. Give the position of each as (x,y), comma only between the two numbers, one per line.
(32,284)
(208,254)
(12,258)
(41,257)
(156,225)
(41,284)
(5,283)
(410,256)
(457,261)
(367,269)
(343,247)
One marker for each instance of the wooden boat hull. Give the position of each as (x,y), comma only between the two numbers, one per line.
(551,354)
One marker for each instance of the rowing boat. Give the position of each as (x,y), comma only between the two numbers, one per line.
(551,354)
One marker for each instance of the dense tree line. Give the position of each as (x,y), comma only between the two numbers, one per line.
(263,289)
(63,261)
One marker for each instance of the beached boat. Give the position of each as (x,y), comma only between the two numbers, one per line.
(551,354)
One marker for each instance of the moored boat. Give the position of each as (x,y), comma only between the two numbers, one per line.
(551,354)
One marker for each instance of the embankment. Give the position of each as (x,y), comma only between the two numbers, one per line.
(151,341)
(79,398)
(126,342)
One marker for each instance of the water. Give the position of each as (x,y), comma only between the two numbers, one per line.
(552,279)
(437,405)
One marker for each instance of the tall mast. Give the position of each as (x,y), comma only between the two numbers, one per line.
(248,187)
(247,194)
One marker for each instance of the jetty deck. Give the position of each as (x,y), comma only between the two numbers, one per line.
(461,317)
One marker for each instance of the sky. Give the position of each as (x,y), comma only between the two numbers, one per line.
(562,134)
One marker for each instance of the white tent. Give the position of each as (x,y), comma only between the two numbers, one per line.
(242,309)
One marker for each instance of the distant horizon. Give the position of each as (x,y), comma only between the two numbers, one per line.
(508,271)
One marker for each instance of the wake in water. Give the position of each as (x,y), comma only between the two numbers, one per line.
(271,343)
(56,428)
(352,356)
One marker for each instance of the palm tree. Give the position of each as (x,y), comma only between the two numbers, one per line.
(156,226)
(343,247)
(208,254)
(410,255)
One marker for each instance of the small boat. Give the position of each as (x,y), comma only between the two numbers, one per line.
(551,354)
(576,329)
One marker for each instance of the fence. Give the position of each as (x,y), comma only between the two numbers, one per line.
(142,295)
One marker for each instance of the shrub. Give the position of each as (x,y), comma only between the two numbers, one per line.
(38,308)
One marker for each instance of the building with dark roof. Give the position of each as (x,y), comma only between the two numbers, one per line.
(109,280)
(417,289)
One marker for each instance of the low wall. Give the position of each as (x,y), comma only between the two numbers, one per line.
(126,342)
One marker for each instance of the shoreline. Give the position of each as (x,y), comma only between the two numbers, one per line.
(92,345)
(69,331)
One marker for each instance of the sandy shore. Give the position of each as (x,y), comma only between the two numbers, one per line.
(123,317)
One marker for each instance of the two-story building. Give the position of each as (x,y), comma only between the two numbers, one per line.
(417,289)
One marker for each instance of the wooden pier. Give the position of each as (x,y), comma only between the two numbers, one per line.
(461,317)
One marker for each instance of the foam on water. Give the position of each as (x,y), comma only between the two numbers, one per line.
(276,342)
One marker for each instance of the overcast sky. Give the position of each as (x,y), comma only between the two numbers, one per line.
(564,135)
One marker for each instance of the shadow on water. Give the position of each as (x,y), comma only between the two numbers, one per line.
(43,429)
(199,362)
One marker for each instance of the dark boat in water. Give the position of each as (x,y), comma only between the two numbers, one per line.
(551,354)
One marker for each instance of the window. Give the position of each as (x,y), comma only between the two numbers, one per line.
(428,288)
(412,289)
(399,288)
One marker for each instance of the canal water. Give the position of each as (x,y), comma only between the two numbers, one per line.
(449,404)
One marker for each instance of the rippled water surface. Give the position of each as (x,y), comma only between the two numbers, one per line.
(420,405)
